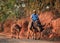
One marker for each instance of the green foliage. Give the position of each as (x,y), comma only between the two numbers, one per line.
(5,9)
(3,18)
(9,10)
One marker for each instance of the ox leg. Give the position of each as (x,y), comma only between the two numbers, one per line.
(27,34)
(18,34)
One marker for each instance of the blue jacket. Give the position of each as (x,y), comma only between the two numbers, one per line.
(34,17)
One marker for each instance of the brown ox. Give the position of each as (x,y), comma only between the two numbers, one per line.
(56,28)
(53,31)
(46,18)
(23,32)
(15,30)
(34,33)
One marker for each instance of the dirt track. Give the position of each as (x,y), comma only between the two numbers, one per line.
(23,41)
(4,39)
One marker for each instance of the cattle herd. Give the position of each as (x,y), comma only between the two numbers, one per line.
(20,28)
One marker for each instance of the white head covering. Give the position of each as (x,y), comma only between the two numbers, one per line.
(34,11)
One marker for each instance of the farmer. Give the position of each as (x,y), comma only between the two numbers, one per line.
(34,17)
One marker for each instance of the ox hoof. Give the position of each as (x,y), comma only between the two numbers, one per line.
(28,38)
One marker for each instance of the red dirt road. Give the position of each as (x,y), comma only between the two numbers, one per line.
(4,39)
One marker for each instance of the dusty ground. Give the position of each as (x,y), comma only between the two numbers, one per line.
(5,39)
